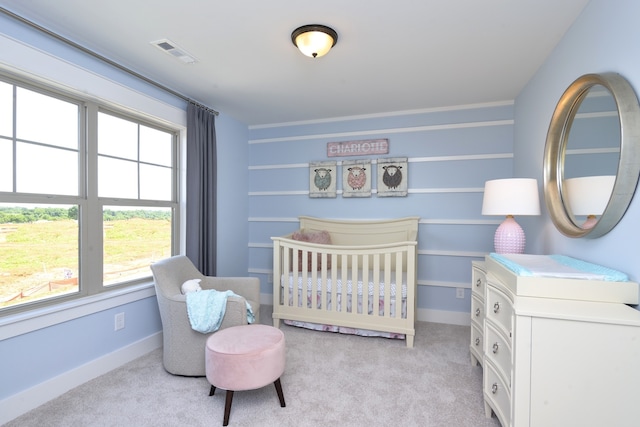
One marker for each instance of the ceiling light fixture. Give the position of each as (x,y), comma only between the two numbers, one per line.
(314,40)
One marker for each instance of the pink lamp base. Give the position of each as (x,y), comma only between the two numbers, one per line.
(509,237)
(590,222)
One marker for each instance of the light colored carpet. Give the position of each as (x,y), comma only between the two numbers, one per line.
(330,380)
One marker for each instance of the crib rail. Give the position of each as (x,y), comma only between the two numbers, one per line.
(311,284)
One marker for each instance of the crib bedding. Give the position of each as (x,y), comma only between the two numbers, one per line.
(359,309)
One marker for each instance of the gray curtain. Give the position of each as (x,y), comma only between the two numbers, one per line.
(201,188)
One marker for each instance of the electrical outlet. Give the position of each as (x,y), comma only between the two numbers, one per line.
(459,292)
(119,321)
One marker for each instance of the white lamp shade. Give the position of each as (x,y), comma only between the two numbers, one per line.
(513,196)
(588,195)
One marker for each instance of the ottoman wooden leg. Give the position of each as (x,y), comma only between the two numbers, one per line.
(227,407)
(212,391)
(279,390)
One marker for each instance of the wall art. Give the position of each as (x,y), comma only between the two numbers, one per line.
(365,147)
(392,176)
(322,179)
(356,178)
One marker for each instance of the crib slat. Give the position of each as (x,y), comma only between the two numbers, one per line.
(305,280)
(343,287)
(365,285)
(353,298)
(375,304)
(398,285)
(311,293)
(334,283)
(322,292)
(387,284)
(295,275)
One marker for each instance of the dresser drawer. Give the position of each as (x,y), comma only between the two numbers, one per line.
(496,394)
(477,310)
(477,344)
(498,351)
(479,281)
(499,309)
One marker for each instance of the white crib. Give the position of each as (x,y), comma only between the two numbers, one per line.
(344,284)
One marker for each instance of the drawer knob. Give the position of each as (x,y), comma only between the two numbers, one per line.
(477,312)
(496,307)
(477,342)
(495,347)
(494,388)
(478,282)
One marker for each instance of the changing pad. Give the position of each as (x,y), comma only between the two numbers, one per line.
(557,266)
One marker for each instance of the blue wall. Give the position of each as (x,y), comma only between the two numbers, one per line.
(451,153)
(232,150)
(604,38)
(32,358)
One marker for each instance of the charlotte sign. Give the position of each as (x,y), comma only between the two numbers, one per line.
(357,148)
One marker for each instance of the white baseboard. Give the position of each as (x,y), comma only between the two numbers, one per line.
(461,318)
(21,403)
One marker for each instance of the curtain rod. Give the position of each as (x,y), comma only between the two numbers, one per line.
(104,59)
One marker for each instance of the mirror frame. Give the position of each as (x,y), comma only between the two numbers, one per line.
(628,166)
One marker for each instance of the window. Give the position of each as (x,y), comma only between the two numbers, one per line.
(87,196)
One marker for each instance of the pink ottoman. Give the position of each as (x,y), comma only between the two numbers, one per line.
(245,357)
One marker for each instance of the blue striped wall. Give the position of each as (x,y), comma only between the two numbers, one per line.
(451,153)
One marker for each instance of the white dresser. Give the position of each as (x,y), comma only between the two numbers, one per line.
(556,351)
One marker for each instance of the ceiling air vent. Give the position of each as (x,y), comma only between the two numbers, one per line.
(169,47)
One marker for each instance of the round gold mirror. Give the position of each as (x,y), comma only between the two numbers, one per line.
(604,181)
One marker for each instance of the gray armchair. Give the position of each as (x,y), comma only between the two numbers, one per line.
(183,352)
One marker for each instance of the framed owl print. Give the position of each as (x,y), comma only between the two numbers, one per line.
(322,179)
(392,177)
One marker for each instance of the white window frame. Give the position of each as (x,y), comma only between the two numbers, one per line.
(93,296)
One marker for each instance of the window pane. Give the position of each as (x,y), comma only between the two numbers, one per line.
(117,178)
(134,238)
(46,170)
(155,183)
(117,137)
(155,146)
(42,118)
(6,109)
(38,252)
(6,165)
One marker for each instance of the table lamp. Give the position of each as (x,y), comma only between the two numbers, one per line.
(513,196)
(588,196)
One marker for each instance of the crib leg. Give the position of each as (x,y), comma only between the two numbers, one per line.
(276,322)
(409,339)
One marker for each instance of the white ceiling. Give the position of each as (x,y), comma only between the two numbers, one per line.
(391,55)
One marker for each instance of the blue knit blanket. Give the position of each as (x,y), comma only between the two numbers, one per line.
(206,309)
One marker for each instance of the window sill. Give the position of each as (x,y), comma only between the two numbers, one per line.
(22,323)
